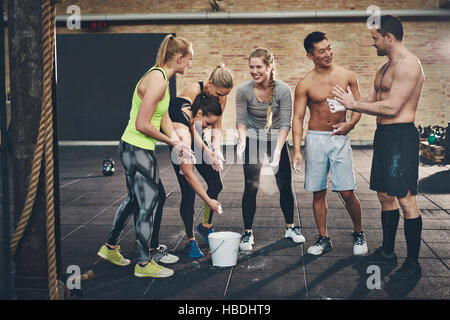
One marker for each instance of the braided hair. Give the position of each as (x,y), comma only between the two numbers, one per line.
(269,108)
(268,59)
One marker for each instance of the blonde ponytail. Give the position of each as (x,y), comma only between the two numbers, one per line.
(169,47)
(221,77)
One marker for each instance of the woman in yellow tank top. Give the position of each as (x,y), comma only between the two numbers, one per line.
(146,193)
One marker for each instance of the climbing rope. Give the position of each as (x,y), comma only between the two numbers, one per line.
(44,147)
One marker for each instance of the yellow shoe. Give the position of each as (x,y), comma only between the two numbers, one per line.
(153,270)
(113,256)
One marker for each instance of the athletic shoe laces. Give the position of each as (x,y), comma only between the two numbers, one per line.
(116,252)
(358,238)
(155,265)
(246,237)
(194,245)
(319,240)
(162,250)
(296,230)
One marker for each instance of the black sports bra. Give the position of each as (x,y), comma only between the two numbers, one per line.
(176,105)
(176,113)
(202,89)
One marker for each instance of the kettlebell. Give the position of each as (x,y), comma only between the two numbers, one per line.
(431,139)
(108,167)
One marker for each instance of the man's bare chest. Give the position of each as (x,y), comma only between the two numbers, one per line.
(383,80)
(321,89)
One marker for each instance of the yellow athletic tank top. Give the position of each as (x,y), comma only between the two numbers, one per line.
(136,138)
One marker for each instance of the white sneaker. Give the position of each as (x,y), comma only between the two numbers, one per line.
(359,244)
(294,233)
(323,244)
(247,241)
(160,254)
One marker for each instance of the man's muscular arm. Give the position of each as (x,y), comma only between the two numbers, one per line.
(300,103)
(405,77)
(345,127)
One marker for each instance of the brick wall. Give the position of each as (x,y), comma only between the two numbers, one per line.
(231,43)
(139,6)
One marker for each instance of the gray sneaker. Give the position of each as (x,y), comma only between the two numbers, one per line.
(294,233)
(323,244)
(160,254)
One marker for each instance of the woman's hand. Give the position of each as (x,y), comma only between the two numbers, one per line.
(185,153)
(275,158)
(240,149)
(215,206)
(217,160)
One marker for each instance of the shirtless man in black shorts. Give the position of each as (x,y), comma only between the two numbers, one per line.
(393,100)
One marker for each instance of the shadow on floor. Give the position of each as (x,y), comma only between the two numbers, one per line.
(437,183)
(394,289)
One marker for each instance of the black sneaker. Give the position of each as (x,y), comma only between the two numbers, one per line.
(410,270)
(379,257)
(323,244)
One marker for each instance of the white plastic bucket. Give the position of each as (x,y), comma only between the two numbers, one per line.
(224,248)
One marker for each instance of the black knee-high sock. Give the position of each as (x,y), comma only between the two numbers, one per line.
(413,232)
(389,223)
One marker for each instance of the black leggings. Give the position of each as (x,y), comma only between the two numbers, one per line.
(214,183)
(145,198)
(252,172)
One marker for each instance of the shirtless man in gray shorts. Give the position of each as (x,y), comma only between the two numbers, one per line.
(393,99)
(327,144)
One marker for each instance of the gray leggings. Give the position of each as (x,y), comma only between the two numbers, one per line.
(145,198)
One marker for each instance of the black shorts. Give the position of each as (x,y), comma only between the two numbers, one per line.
(395,163)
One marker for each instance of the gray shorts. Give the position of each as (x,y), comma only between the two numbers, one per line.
(325,154)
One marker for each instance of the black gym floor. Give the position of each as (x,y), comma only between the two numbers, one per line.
(276,268)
